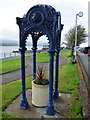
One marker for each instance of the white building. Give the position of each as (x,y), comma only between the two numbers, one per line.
(64,45)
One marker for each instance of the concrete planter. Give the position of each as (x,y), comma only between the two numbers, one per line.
(40,95)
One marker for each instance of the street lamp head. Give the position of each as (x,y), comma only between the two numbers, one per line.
(80,14)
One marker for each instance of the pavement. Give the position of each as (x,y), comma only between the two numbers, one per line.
(84,79)
(16,75)
(84,60)
(61,108)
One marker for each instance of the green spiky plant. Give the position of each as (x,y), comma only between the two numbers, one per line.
(40,76)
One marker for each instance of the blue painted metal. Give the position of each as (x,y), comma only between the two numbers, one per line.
(50,107)
(24,104)
(58,39)
(41,20)
(58,34)
(35,37)
(56,93)
(34,62)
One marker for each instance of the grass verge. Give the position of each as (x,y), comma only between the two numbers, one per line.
(65,50)
(15,87)
(8,117)
(43,57)
(69,82)
(11,65)
(8,96)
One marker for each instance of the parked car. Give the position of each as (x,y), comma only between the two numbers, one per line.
(89,51)
(81,49)
(85,50)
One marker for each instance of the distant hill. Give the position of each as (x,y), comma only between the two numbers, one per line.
(8,43)
(16,43)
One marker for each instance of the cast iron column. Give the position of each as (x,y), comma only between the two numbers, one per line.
(24,103)
(34,62)
(50,107)
(56,93)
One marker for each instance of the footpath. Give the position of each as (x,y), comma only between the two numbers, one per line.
(84,79)
(16,75)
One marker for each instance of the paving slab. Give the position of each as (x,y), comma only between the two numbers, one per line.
(61,107)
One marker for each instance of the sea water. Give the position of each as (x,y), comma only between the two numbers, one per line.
(6,51)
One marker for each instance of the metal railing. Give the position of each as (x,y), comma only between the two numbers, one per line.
(18,54)
(9,55)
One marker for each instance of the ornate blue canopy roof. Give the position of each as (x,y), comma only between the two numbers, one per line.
(39,20)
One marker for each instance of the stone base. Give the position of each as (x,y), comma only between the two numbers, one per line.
(56,95)
(24,104)
(49,116)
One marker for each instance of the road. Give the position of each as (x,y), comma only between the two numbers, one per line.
(16,75)
(85,60)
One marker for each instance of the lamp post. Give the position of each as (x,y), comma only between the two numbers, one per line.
(80,14)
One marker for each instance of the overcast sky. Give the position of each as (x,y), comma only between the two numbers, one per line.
(10,9)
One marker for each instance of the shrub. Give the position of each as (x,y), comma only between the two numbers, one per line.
(40,76)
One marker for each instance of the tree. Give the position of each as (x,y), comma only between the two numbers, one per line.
(81,36)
